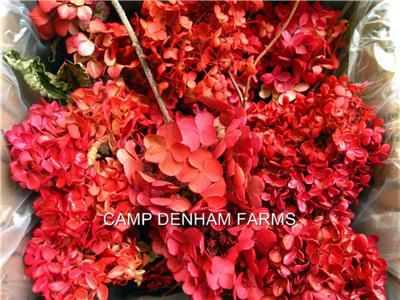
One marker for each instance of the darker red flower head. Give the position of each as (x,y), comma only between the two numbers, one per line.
(319,152)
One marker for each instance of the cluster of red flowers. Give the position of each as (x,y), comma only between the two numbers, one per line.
(280,149)
(318,154)
(72,255)
(313,259)
(61,18)
(191,46)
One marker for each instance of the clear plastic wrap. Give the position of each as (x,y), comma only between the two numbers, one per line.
(374,57)
(15,208)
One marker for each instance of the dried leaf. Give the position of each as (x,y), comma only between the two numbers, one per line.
(35,75)
(75,75)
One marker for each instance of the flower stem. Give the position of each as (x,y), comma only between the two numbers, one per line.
(269,46)
(140,54)
(237,88)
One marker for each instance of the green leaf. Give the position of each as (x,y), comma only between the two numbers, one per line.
(145,248)
(101,11)
(35,75)
(152,256)
(75,75)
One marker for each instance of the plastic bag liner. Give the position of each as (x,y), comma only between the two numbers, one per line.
(372,57)
(17,32)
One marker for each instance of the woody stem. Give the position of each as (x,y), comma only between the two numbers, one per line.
(269,46)
(237,88)
(140,54)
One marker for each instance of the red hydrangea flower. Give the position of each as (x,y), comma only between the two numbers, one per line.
(304,52)
(180,150)
(196,259)
(318,152)
(66,154)
(52,146)
(49,148)
(72,255)
(239,147)
(56,17)
(312,259)
(106,49)
(226,38)
(115,112)
(150,190)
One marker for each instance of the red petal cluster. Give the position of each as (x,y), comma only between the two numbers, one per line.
(180,150)
(207,48)
(48,148)
(192,58)
(318,153)
(61,18)
(305,51)
(314,259)
(106,49)
(72,255)
(65,153)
